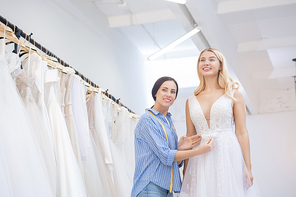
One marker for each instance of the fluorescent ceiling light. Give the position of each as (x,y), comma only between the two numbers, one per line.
(178,1)
(173,44)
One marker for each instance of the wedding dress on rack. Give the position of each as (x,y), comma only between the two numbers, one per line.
(38,69)
(78,93)
(109,115)
(122,172)
(25,82)
(99,126)
(70,182)
(67,109)
(93,181)
(125,138)
(25,172)
(100,143)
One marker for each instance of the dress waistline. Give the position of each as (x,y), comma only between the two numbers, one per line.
(214,133)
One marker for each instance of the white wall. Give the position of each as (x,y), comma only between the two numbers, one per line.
(273,152)
(78,33)
(273,147)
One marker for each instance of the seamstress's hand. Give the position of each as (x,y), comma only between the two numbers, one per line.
(187,143)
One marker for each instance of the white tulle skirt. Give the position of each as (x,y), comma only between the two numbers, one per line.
(219,173)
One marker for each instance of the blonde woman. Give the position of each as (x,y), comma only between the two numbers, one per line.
(211,112)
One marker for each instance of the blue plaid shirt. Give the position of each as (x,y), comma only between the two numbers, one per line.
(153,156)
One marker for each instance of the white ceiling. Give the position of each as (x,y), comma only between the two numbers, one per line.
(257,37)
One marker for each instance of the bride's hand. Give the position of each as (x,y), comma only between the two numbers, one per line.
(248,178)
(207,146)
(187,143)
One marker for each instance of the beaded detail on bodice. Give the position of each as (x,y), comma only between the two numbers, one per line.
(221,115)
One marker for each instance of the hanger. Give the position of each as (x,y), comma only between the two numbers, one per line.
(7,29)
(119,106)
(102,90)
(62,68)
(53,63)
(10,36)
(26,49)
(17,33)
(135,116)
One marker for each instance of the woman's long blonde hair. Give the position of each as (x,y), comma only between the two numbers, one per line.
(225,81)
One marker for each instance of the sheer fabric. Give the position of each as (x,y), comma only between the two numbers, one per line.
(221,172)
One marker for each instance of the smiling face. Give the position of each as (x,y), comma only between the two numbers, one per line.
(209,65)
(166,94)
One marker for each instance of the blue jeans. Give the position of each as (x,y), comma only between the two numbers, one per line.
(152,190)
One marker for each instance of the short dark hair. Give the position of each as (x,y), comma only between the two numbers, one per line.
(159,82)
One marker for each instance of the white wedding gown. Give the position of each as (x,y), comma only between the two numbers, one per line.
(70,182)
(218,173)
(122,173)
(92,178)
(69,117)
(100,143)
(124,139)
(22,168)
(78,94)
(26,84)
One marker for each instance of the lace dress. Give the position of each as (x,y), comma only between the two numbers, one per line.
(26,83)
(218,173)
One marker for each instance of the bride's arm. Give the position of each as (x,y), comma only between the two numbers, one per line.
(190,131)
(239,112)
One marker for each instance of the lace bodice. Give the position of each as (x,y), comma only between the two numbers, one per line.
(221,116)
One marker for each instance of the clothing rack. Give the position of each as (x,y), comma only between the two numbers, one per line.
(19,32)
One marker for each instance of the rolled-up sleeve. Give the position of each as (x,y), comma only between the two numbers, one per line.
(155,139)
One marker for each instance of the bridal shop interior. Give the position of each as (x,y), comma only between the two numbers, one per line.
(111,42)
